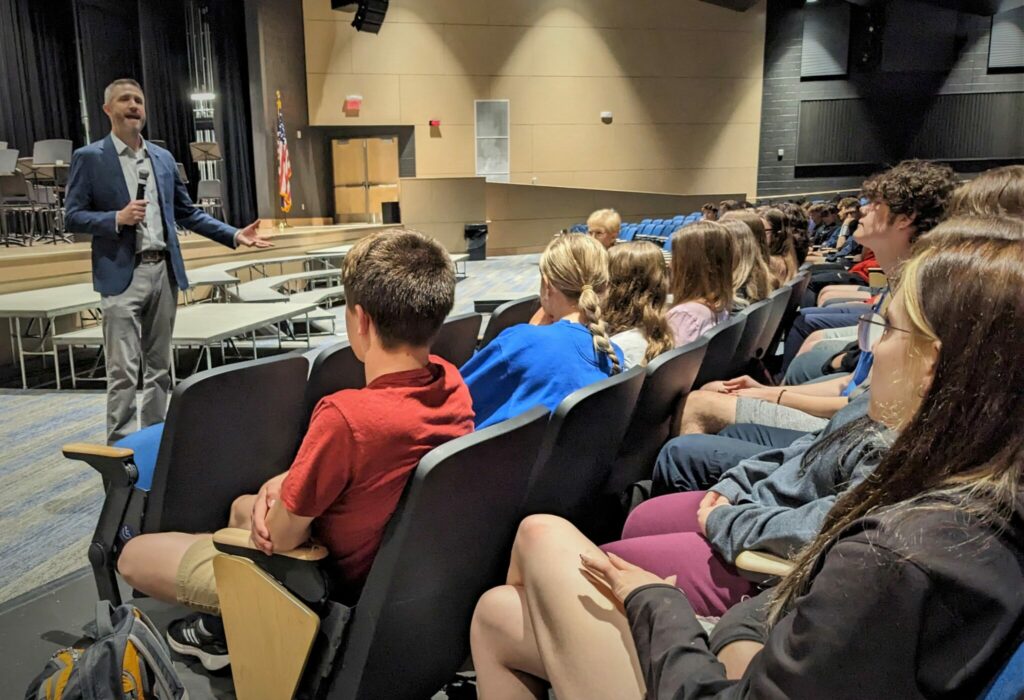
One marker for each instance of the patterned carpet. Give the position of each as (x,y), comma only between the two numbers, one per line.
(49,505)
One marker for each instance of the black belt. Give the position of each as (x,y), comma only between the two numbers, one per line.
(150,256)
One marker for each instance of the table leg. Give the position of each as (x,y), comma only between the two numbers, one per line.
(209,358)
(21,352)
(71,364)
(56,357)
(254,355)
(308,345)
(174,370)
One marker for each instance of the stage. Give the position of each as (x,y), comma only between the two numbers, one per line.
(48,265)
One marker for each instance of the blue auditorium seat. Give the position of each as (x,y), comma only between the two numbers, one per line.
(644,222)
(667,245)
(628,232)
(146,445)
(1010,681)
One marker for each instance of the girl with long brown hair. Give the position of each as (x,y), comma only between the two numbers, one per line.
(635,309)
(911,589)
(752,279)
(702,261)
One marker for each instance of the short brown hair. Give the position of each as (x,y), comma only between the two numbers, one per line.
(405,282)
(996,192)
(702,262)
(919,189)
(108,92)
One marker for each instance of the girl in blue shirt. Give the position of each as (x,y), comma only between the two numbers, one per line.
(529,365)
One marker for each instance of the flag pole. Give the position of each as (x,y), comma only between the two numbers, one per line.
(284,174)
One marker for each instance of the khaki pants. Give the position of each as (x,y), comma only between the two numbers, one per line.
(196,586)
(137,326)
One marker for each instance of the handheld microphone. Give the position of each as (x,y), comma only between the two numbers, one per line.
(140,191)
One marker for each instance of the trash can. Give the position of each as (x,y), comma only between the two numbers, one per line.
(476,241)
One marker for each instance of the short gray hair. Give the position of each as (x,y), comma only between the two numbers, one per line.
(108,92)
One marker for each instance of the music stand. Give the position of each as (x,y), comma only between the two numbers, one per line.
(205,151)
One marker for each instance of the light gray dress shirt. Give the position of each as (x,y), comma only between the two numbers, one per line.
(150,231)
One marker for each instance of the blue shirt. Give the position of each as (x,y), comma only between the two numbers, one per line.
(866,359)
(526,366)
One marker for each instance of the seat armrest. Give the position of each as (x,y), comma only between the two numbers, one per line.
(238,538)
(763,563)
(115,464)
(298,569)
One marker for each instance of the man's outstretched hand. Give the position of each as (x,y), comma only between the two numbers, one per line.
(251,238)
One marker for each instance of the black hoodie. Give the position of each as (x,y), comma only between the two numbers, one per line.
(922,603)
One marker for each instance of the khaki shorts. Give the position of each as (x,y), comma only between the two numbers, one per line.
(195,585)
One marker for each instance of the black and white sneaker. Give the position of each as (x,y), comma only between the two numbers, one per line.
(193,636)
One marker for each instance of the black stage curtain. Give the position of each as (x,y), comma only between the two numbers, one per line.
(233,113)
(108,32)
(38,78)
(165,78)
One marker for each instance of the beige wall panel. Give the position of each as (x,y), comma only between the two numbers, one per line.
(443,199)
(566,100)
(531,13)
(451,153)
(416,49)
(721,55)
(553,179)
(437,12)
(321,9)
(448,98)
(327,99)
(450,234)
(328,47)
(686,110)
(525,233)
(669,14)
(487,50)
(697,100)
(520,148)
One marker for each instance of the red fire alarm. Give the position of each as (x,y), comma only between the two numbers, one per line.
(435,122)
(353,103)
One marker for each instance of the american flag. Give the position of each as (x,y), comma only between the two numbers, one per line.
(284,162)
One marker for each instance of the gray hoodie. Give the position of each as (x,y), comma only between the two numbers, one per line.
(779,501)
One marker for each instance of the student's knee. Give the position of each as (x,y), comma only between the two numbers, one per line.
(241,512)
(494,615)
(537,530)
(130,565)
(685,464)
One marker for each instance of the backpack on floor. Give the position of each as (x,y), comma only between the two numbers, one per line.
(125,658)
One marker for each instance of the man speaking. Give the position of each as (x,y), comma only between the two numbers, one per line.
(126,193)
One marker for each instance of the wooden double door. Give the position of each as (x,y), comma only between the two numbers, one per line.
(365,177)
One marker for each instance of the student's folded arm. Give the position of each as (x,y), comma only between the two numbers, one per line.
(287,530)
(832,387)
(739,481)
(672,647)
(820,406)
(774,529)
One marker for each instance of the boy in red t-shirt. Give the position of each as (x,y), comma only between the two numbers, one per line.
(361,447)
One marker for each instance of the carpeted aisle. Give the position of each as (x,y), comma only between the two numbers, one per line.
(48,504)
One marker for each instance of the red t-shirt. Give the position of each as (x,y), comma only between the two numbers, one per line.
(360,449)
(862,269)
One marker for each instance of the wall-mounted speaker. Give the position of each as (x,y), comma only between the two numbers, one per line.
(370,15)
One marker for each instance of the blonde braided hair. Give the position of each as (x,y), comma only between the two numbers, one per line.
(577,266)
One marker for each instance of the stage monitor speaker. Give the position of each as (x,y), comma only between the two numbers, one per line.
(370,15)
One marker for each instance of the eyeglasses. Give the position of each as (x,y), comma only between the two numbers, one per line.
(871,328)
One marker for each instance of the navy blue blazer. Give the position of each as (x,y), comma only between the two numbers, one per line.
(96,191)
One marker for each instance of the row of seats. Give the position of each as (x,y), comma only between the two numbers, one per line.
(449,539)
(655,230)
